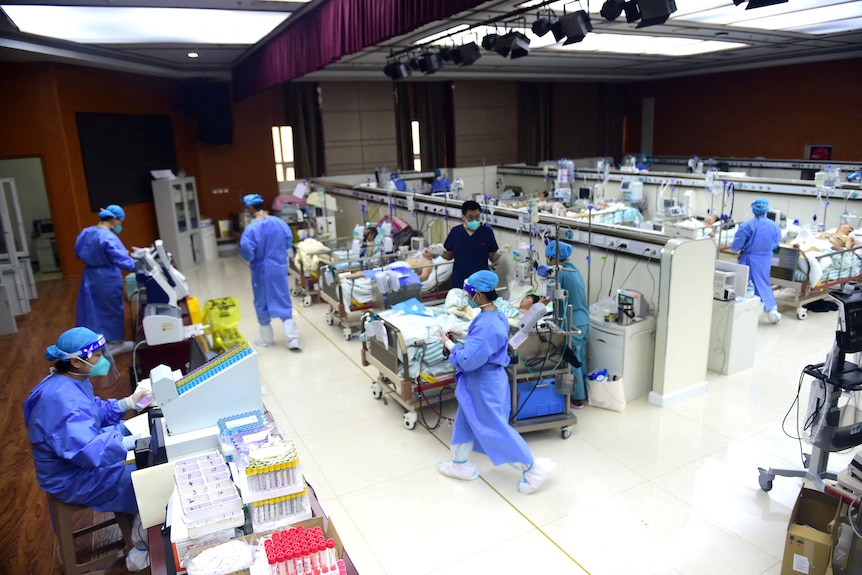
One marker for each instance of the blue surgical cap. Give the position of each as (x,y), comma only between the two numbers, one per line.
(437,172)
(759,207)
(483,280)
(76,342)
(551,250)
(393,175)
(112,211)
(252,200)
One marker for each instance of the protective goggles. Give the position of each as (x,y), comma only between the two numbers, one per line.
(87,350)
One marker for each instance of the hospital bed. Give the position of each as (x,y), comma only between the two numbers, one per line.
(392,341)
(350,295)
(409,359)
(310,255)
(807,276)
(614,213)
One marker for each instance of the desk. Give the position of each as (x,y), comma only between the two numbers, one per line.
(161,556)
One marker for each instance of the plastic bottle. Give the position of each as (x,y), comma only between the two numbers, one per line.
(749,290)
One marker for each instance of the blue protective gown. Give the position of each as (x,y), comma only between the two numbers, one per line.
(571,280)
(77,443)
(400,185)
(100,304)
(264,244)
(482,391)
(756,239)
(440,185)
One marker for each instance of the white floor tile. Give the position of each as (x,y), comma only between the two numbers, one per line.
(648,491)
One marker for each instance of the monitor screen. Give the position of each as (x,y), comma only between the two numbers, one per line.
(584,193)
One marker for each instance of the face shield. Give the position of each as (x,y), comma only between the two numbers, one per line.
(86,353)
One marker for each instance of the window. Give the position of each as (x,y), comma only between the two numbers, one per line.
(417,160)
(282,147)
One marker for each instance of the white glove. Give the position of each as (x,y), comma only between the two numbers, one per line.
(506,249)
(137,401)
(457,332)
(129,441)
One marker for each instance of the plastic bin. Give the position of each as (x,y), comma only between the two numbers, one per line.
(544,400)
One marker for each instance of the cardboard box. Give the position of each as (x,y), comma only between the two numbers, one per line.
(261,566)
(808,547)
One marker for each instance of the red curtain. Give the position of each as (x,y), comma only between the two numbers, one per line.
(331,31)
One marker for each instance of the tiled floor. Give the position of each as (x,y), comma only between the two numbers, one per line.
(669,490)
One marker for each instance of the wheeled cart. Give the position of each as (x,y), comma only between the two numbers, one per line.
(411,393)
(306,266)
(536,404)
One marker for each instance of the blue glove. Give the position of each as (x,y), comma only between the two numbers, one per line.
(129,441)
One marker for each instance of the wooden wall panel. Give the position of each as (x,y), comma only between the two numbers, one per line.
(486,128)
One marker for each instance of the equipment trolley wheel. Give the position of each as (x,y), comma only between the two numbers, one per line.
(348,335)
(566,432)
(410,418)
(306,301)
(296,291)
(328,318)
(765,479)
(376,390)
(801,313)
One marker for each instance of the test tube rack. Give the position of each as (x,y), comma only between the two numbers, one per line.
(275,512)
(226,385)
(209,499)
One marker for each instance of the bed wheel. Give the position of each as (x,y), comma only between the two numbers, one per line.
(376,390)
(565,433)
(306,301)
(410,419)
(801,313)
(348,335)
(328,318)
(295,291)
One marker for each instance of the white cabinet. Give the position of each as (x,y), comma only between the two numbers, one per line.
(625,350)
(177,213)
(733,335)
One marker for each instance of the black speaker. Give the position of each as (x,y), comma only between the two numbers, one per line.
(210,105)
(655,11)
(576,26)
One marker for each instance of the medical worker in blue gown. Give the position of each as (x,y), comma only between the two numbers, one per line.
(756,239)
(79,442)
(570,279)
(264,244)
(400,185)
(440,184)
(482,390)
(100,304)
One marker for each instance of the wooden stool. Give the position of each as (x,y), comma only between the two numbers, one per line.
(63,514)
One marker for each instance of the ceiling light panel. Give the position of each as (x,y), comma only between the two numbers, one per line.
(653,45)
(737,16)
(117,25)
(802,18)
(831,27)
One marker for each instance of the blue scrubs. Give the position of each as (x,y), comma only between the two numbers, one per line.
(264,244)
(440,185)
(100,304)
(400,185)
(483,394)
(470,252)
(571,280)
(77,443)
(756,239)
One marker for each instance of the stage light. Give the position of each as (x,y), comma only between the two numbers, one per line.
(446,53)
(541,26)
(656,11)
(430,62)
(514,45)
(557,29)
(612,9)
(396,70)
(576,26)
(413,62)
(489,42)
(633,13)
(762,3)
(468,53)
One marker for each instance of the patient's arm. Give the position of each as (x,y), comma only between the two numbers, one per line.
(421,266)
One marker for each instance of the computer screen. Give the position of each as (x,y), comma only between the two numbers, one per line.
(584,193)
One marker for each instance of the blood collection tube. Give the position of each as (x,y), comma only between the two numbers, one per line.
(297,561)
(273,563)
(306,559)
(291,568)
(342,568)
(330,552)
(279,560)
